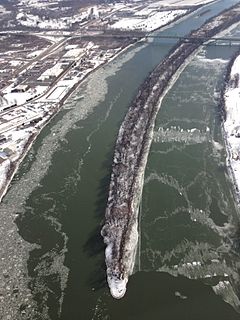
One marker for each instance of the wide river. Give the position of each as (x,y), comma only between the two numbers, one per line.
(188,262)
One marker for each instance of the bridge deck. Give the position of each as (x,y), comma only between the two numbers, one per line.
(178,37)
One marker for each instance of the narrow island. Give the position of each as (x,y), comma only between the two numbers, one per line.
(120,231)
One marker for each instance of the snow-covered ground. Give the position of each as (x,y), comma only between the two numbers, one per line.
(57,93)
(19,98)
(15,63)
(4,167)
(153,21)
(74,53)
(32,20)
(232,123)
(16,147)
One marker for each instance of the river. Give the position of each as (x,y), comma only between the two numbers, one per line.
(187,210)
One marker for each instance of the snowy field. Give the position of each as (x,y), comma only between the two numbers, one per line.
(33,20)
(151,22)
(150,18)
(57,93)
(232,123)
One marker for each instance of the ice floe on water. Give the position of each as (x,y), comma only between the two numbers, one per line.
(205,61)
(177,134)
(208,61)
(218,146)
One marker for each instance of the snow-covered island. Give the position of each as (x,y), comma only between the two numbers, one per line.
(231,124)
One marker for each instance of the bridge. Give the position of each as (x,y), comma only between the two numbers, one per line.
(138,35)
(207,41)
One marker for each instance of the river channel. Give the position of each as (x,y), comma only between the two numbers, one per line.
(186,267)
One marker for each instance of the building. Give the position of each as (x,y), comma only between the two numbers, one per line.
(3,139)
(20,88)
(3,156)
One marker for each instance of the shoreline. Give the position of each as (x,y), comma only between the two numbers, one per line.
(225,110)
(132,148)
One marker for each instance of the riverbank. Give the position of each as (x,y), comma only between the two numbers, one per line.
(131,153)
(231,121)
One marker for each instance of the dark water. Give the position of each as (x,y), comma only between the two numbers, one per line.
(146,299)
(187,204)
